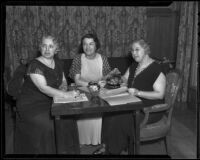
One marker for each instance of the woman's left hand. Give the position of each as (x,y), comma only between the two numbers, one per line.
(63,87)
(102,83)
(133,91)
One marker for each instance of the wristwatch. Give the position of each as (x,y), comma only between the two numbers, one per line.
(138,93)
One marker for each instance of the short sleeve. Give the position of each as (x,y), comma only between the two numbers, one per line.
(35,68)
(75,67)
(106,66)
(156,70)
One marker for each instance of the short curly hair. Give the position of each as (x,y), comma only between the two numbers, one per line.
(55,41)
(144,45)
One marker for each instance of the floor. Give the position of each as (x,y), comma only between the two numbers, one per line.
(182,139)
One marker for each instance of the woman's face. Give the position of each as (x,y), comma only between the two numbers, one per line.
(138,52)
(48,48)
(89,46)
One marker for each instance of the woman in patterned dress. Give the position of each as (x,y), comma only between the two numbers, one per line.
(89,66)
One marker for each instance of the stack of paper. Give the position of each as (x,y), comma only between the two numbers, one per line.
(110,92)
(122,98)
(81,98)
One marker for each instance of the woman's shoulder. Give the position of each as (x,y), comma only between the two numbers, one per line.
(156,63)
(35,62)
(156,67)
(77,57)
(35,65)
(104,58)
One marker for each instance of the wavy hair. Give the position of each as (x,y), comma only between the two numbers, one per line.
(89,35)
(144,45)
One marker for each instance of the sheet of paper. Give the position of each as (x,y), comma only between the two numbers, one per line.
(80,98)
(111,92)
(122,98)
(103,96)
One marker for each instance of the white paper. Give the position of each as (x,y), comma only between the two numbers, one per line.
(122,98)
(111,92)
(80,98)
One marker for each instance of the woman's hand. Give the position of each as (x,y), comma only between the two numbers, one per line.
(63,87)
(102,83)
(71,94)
(133,91)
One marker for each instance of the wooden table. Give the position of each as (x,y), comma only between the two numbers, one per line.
(96,105)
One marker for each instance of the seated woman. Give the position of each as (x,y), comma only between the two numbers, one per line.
(89,66)
(145,79)
(34,125)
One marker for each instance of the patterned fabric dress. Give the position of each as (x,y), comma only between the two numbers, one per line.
(89,126)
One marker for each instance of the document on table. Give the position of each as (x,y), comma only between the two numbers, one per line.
(122,98)
(81,98)
(111,92)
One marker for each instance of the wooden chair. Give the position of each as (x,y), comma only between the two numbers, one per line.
(159,130)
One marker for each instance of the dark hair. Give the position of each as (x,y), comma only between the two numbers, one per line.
(89,35)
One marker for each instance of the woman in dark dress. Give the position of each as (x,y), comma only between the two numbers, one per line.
(144,79)
(34,125)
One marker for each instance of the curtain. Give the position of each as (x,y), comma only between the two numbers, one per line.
(116,28)
(186,60)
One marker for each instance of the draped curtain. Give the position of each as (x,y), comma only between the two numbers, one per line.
(187,47)
(116,28)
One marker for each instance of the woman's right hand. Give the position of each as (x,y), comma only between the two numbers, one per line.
(133,91)
(71,94)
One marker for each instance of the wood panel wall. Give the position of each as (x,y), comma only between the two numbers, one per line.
(162,32)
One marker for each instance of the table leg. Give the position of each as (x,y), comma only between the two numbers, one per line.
(66,136)
(137,133)
(58,135)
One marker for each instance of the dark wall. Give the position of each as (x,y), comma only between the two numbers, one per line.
(162,32)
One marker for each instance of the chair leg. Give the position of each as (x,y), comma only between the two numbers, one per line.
(165,141)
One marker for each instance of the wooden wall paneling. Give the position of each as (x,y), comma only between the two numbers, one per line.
(162,32)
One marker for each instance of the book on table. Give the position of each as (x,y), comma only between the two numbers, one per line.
(119,98)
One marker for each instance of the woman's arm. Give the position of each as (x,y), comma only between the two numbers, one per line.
(63,85)
(158,87)
(79,81)
(40,82)
(125,76)
(106,67)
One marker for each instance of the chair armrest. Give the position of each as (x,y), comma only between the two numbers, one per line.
(152,109)
(156,108)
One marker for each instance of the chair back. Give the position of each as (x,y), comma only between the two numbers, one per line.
(172,87)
